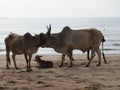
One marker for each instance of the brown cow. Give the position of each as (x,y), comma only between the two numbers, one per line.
(83,39)
(26,44)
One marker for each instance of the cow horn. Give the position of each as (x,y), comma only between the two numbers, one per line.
(49,30)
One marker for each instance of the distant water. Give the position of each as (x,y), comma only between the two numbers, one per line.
(110,27)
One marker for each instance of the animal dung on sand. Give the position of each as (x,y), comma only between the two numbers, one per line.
(42,63)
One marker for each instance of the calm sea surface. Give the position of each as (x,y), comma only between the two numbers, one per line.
(110,27)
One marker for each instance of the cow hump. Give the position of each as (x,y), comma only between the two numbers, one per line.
(27,35)
(66,29)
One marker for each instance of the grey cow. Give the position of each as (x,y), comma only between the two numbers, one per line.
(83,39)
(26,44)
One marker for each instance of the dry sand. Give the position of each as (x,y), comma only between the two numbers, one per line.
(78,77)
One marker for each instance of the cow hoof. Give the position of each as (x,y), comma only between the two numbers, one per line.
(106,63)
(28,70)
(70,66)
(87,66)
(17,68)
(73,59)
(98,65)
(8,68)
(60,65)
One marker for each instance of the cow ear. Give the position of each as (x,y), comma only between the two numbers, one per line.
(49,30)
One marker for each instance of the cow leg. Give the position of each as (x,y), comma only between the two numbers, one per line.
(99,56)
(88,52)
(70,56)
(63,59)
(26,61)
(92,56)
(29,64)
(13,56)
(7,59)
(105,61)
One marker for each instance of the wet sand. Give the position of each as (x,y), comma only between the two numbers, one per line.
(78,77)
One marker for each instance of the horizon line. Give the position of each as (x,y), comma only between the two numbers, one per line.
(51,17)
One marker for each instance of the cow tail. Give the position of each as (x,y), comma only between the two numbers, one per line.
(7,51)
(103,40)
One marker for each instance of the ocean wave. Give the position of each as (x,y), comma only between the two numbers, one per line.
(108,49)
(116,44)
(2,50)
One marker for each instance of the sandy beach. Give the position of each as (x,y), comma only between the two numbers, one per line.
(78,77)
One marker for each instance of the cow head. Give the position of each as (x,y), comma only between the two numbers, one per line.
(37,58)
(43,39)
(37,40)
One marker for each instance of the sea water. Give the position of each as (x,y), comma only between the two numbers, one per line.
(110,27)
